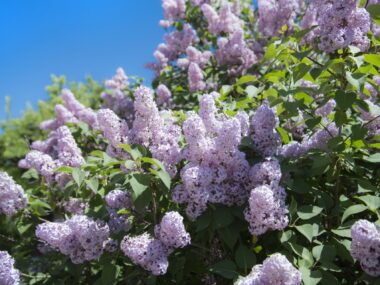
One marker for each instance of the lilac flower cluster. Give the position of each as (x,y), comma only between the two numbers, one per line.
(175,44)
(171,231)
(60,149)
(8,274)
(267,210)
(224,21)
(80,237)
(372,90)
(375,28)
(217,171)
(12,196)
(70,112)
(194,56)
(115,99)
(264,135)
(371,118)
(365,246)
(274,14)
(195,78)
(119,199)
(163,95)
(318,140)
(152,254)
(276,269)
(173,10)
(326,109)
(75,206)
(340,23)
(235,53)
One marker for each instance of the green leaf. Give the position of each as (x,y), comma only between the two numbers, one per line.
(109,274)
(352,210)
(342,232)
(284,135)
(252,91)
(141,194)
(64,169)
(165,178)
(374,158)
(300,71)
(324,253)
(78,176)
(229,236)
(203,221)
(93,184)
(225,268)
(244,257)
(372,202)
(222,217)
(153,161)
(308,212)
(302,252)
(246,79)
(373,59)
(310,277)
(345,100)
(309,231)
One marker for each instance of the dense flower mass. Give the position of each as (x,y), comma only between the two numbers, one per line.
(79,237)
(274,15)
(276,269)
(119,199)
(147,252)
(8,274)
(12,196)
(171,231)
(340,23)
(365,246)
(217,170)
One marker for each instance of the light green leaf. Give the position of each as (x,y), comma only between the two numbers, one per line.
(78,176)
(372,202)
(310,277)
(308,212)
(225,268)
(93,184)
(352,210)
(373,59)
(309,231)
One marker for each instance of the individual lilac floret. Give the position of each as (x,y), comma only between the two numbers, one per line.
(235,53)
(118,81)
(147,252)
(275,270)
(265,137)
(9,275)
(266,173)
(365,246)
(12,196)
(118,199)
(171,231)
(274,14)
(163,95)
(195,78)
(80,237)
(267,210)
(84,114)
(326,109)
(226,21)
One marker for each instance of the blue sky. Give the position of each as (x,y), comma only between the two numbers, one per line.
(75,38)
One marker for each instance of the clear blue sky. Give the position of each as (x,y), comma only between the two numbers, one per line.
(75,38)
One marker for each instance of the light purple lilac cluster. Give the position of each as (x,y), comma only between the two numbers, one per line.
(374,94)
(264,135)
(375,28)
(195,78)
(365,246)
(75,206)
(12,196)
(266,205)
(371,118)
(340,23)
(71,112)
(115,99)
(274,14)
(154,129)
(173,10)
(59,149)
(152,253)
(175,44)
(79,237)
(163,95)
(194,56)
(326,109)
(217,171)
(235,53)
(9,275)
(276,269)
(223,21)
(118,199)
(199,2)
